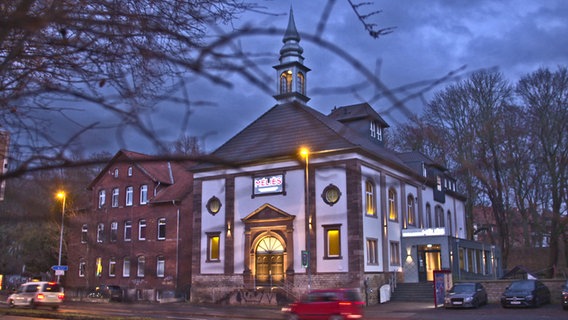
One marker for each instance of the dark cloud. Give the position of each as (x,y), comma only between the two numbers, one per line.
(431,39)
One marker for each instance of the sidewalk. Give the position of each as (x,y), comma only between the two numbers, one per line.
(396,310)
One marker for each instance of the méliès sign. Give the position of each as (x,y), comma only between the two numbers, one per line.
(268,184)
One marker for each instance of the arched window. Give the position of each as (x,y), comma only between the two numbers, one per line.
(439,216)
(301,83)
(370,198)
(286,81)
(429,216)
(410,212)
(393,213)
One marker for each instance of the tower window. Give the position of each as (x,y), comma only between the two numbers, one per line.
(286,81)
(301,83)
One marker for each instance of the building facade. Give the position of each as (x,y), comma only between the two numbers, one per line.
(300,200)
(137,235)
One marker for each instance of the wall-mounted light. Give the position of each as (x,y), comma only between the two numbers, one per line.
(228,229)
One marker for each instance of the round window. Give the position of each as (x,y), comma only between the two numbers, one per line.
(331,194)
(213,205)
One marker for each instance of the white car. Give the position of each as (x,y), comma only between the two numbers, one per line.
(37,293)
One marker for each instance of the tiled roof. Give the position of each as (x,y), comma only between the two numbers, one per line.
(284,129)
(356,111)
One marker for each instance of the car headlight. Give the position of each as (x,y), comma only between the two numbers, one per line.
(529,297)
(448,299)
(468,299)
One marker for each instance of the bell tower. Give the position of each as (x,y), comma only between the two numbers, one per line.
(291,74)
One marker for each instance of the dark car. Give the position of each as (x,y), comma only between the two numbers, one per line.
(564,296)
(330,304)
(525,293)
(109,292)
(466,295)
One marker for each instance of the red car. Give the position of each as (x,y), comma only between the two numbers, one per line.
(328,304)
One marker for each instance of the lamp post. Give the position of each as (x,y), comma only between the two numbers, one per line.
(61,195)
(305,153)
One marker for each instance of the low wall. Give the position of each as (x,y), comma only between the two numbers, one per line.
(495,288)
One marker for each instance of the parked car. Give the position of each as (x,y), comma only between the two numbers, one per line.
(108,292)
(564,296)
(466,295)
(37,293)
(525,293)
(330,304)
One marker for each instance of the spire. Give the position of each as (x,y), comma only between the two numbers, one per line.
(291,72)
(291,48)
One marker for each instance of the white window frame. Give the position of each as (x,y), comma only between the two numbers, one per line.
(84,233)
(160,267)
(115,195)
(142,229)
(113,231)
(161,229)
(102,198)
(112,267)
(100,232)
(126,267)
(129,196)
(141,264)
(127,230)
(144,194)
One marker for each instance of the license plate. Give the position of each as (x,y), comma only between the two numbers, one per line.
(515,302)
(457,302)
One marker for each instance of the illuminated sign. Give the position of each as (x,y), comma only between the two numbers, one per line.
(268,184)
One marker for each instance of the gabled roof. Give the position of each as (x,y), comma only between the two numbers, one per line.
(284,129)
(160,171)
(356,112)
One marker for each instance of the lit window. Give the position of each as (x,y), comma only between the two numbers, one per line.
(127,230)
(141,266)
(394,253)
(102,198)
(372,251)
(393,214)
(143,194)
(112,267)
(84,233)
(99,267)
(160,267)
(100,232)
(126,267)
(113,231)
(332,244)
(213,243)
(142,229)
(411,212)
(82,268)
(129,192)
(115,194)
(370,198)
(161,228)
(286,81)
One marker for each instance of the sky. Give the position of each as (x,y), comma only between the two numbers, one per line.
(430,40)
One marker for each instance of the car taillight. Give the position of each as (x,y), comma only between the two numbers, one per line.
(40,296)
(61,295)
(343,303)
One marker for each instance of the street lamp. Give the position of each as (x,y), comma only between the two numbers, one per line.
(305,153)
(61,195)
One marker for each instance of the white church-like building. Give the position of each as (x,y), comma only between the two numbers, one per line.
(301,200)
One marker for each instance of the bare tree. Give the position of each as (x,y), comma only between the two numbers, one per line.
(545,95)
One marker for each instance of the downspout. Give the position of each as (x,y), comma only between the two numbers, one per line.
(177,246)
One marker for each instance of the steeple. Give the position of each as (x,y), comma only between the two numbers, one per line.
(291,72)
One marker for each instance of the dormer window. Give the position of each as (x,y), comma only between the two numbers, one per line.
(376,131)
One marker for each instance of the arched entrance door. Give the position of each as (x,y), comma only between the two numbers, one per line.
(269,261)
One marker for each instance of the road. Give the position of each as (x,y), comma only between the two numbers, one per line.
(387,311)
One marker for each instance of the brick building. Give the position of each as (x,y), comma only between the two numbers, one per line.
(137,234)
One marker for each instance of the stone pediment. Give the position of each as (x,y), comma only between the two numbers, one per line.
(267,212)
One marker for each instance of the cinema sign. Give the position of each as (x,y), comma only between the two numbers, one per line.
(270,184)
